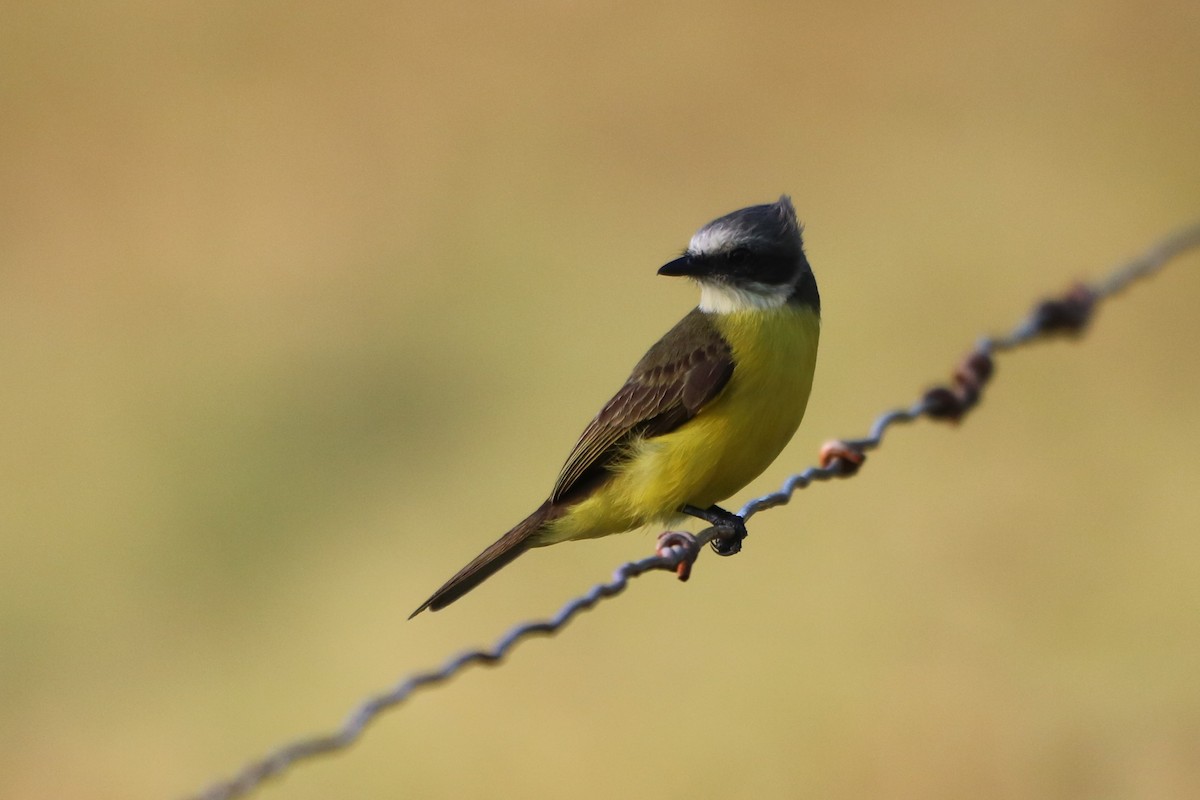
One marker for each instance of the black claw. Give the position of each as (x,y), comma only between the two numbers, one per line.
(729,545)
(732,527)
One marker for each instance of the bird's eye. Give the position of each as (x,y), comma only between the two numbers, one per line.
(739,255)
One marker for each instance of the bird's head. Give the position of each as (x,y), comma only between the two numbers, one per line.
(750,258)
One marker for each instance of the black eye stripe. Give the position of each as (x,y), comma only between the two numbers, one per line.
(771,267)
(767,265)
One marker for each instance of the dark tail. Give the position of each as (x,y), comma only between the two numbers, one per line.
(490,561)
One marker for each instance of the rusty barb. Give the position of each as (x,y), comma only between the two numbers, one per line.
(1068,314)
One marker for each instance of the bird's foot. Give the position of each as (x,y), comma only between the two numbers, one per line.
(681,545)
(731,529)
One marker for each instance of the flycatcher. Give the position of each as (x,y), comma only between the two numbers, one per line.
(705,411)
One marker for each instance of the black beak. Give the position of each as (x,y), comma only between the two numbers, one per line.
(684,265)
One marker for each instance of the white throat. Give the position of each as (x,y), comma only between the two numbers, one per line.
(722,298)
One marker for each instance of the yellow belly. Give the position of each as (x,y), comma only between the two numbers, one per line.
(724,447)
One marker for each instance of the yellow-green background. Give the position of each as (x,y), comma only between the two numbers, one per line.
(302,304)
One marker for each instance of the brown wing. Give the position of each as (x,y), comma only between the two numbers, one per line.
(683,371)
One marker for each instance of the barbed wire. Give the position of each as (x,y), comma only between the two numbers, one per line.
(1068,314)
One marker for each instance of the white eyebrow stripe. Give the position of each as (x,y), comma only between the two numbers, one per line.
(710,240)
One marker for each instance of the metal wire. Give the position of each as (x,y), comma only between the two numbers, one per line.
(1068,314)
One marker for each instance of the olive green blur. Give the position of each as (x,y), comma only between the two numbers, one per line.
(301,303)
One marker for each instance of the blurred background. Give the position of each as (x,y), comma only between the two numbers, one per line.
(302,304)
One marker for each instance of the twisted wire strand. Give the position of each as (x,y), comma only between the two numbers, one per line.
(1067,314)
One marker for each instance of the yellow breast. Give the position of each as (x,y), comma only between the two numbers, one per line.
(725,446)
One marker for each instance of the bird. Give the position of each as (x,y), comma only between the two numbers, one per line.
(703,413)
